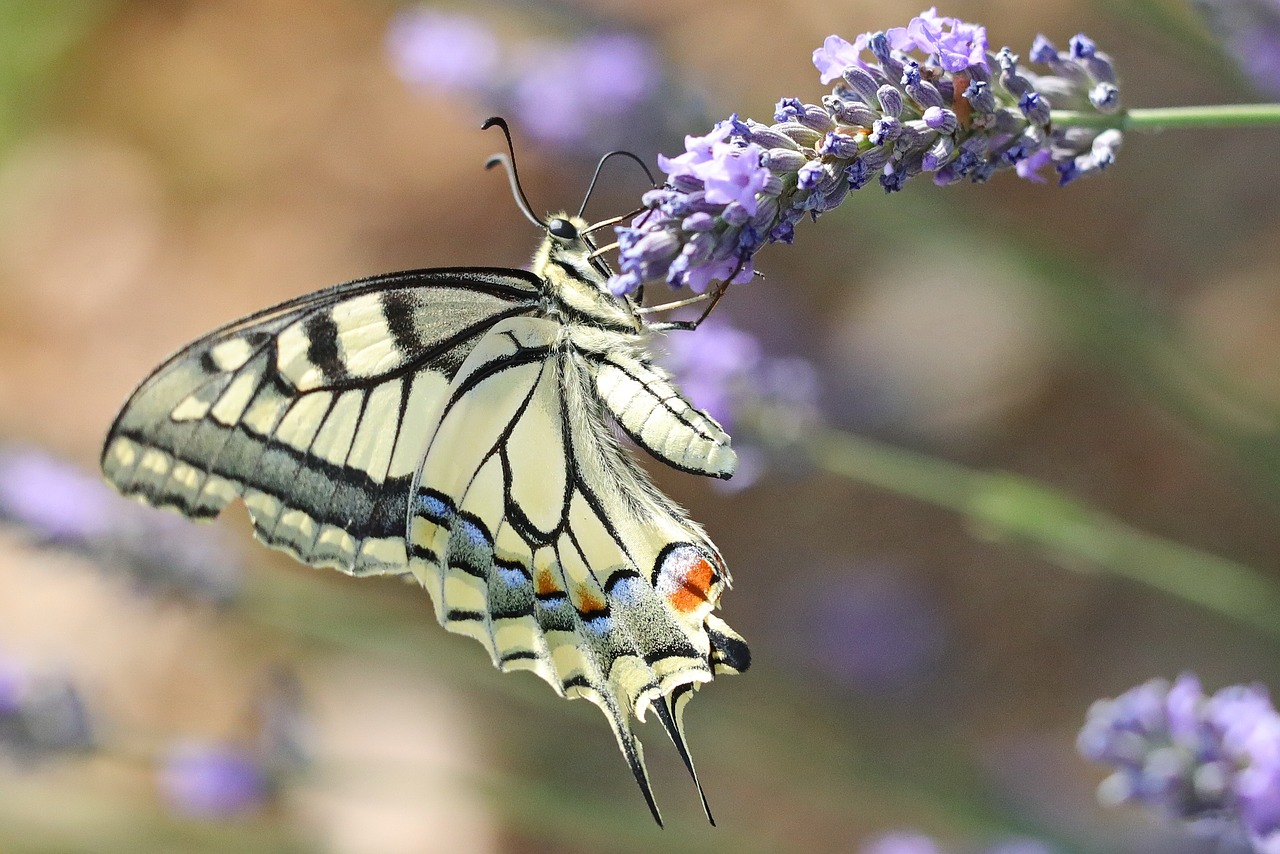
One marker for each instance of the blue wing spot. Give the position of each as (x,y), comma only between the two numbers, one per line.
(512,577)
(629,590)
(598,626)
(473,533)
(434,509)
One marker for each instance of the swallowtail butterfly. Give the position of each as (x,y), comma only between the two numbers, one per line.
(453,425)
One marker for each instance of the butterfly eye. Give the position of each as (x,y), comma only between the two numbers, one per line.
(562,229)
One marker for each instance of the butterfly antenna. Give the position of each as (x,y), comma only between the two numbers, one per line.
(509,161)
(600,165)
(677,738)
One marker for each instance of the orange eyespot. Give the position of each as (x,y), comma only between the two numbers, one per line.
(686,577)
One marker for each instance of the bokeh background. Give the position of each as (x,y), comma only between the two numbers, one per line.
(166,167)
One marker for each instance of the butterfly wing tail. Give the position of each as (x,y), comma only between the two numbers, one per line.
(632,751)
(674,725)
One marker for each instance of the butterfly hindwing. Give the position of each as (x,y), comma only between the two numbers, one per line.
(315,412)
(538,535)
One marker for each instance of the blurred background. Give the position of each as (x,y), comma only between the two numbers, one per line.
(166,167)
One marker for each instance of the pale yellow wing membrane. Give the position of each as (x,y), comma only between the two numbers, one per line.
(316,412)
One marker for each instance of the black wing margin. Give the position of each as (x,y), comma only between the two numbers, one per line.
(316,412)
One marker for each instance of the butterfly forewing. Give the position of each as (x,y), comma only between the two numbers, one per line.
(315,412)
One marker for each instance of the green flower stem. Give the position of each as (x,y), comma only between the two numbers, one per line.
(1071,534)
(1153,120)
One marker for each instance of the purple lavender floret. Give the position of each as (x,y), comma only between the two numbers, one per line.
(212,780)
(1213,761)
(928,97)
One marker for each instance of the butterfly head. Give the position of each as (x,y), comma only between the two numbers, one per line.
(576,277)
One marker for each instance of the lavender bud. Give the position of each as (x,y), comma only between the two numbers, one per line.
(839,145)
(698,222)
(879,47)
(980,96)
(1043,51)
(766,213)
(785,160)
(810,176)
(798,133)
(656,246)
(938,154)
(885,130)
(890,100)
(1082,47)
(835,195)
(1105,97)
(874,159)
(1035,108)
(915,134)
(862,83)
(809,115)
(1016,84)
(765,136)
(700,247)
(1106,146)
(856,114)
(1100,68)
(735,214)
(924,93)
(941,120)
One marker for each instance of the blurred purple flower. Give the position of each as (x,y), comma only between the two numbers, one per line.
(587,93)
(211,780)
(443,49)
(724,371)
(58,504)
(1020,846)
(216,779)
(54,500)
(565,92)
(870,628)
(901,842)
(41,714)
(1208,760)
(908,842)
(927,97)
(712,365)
(1250,32)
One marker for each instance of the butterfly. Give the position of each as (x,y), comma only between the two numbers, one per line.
(454,425)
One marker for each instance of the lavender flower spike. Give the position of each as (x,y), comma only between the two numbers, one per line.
(1213,761)
(928,97)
